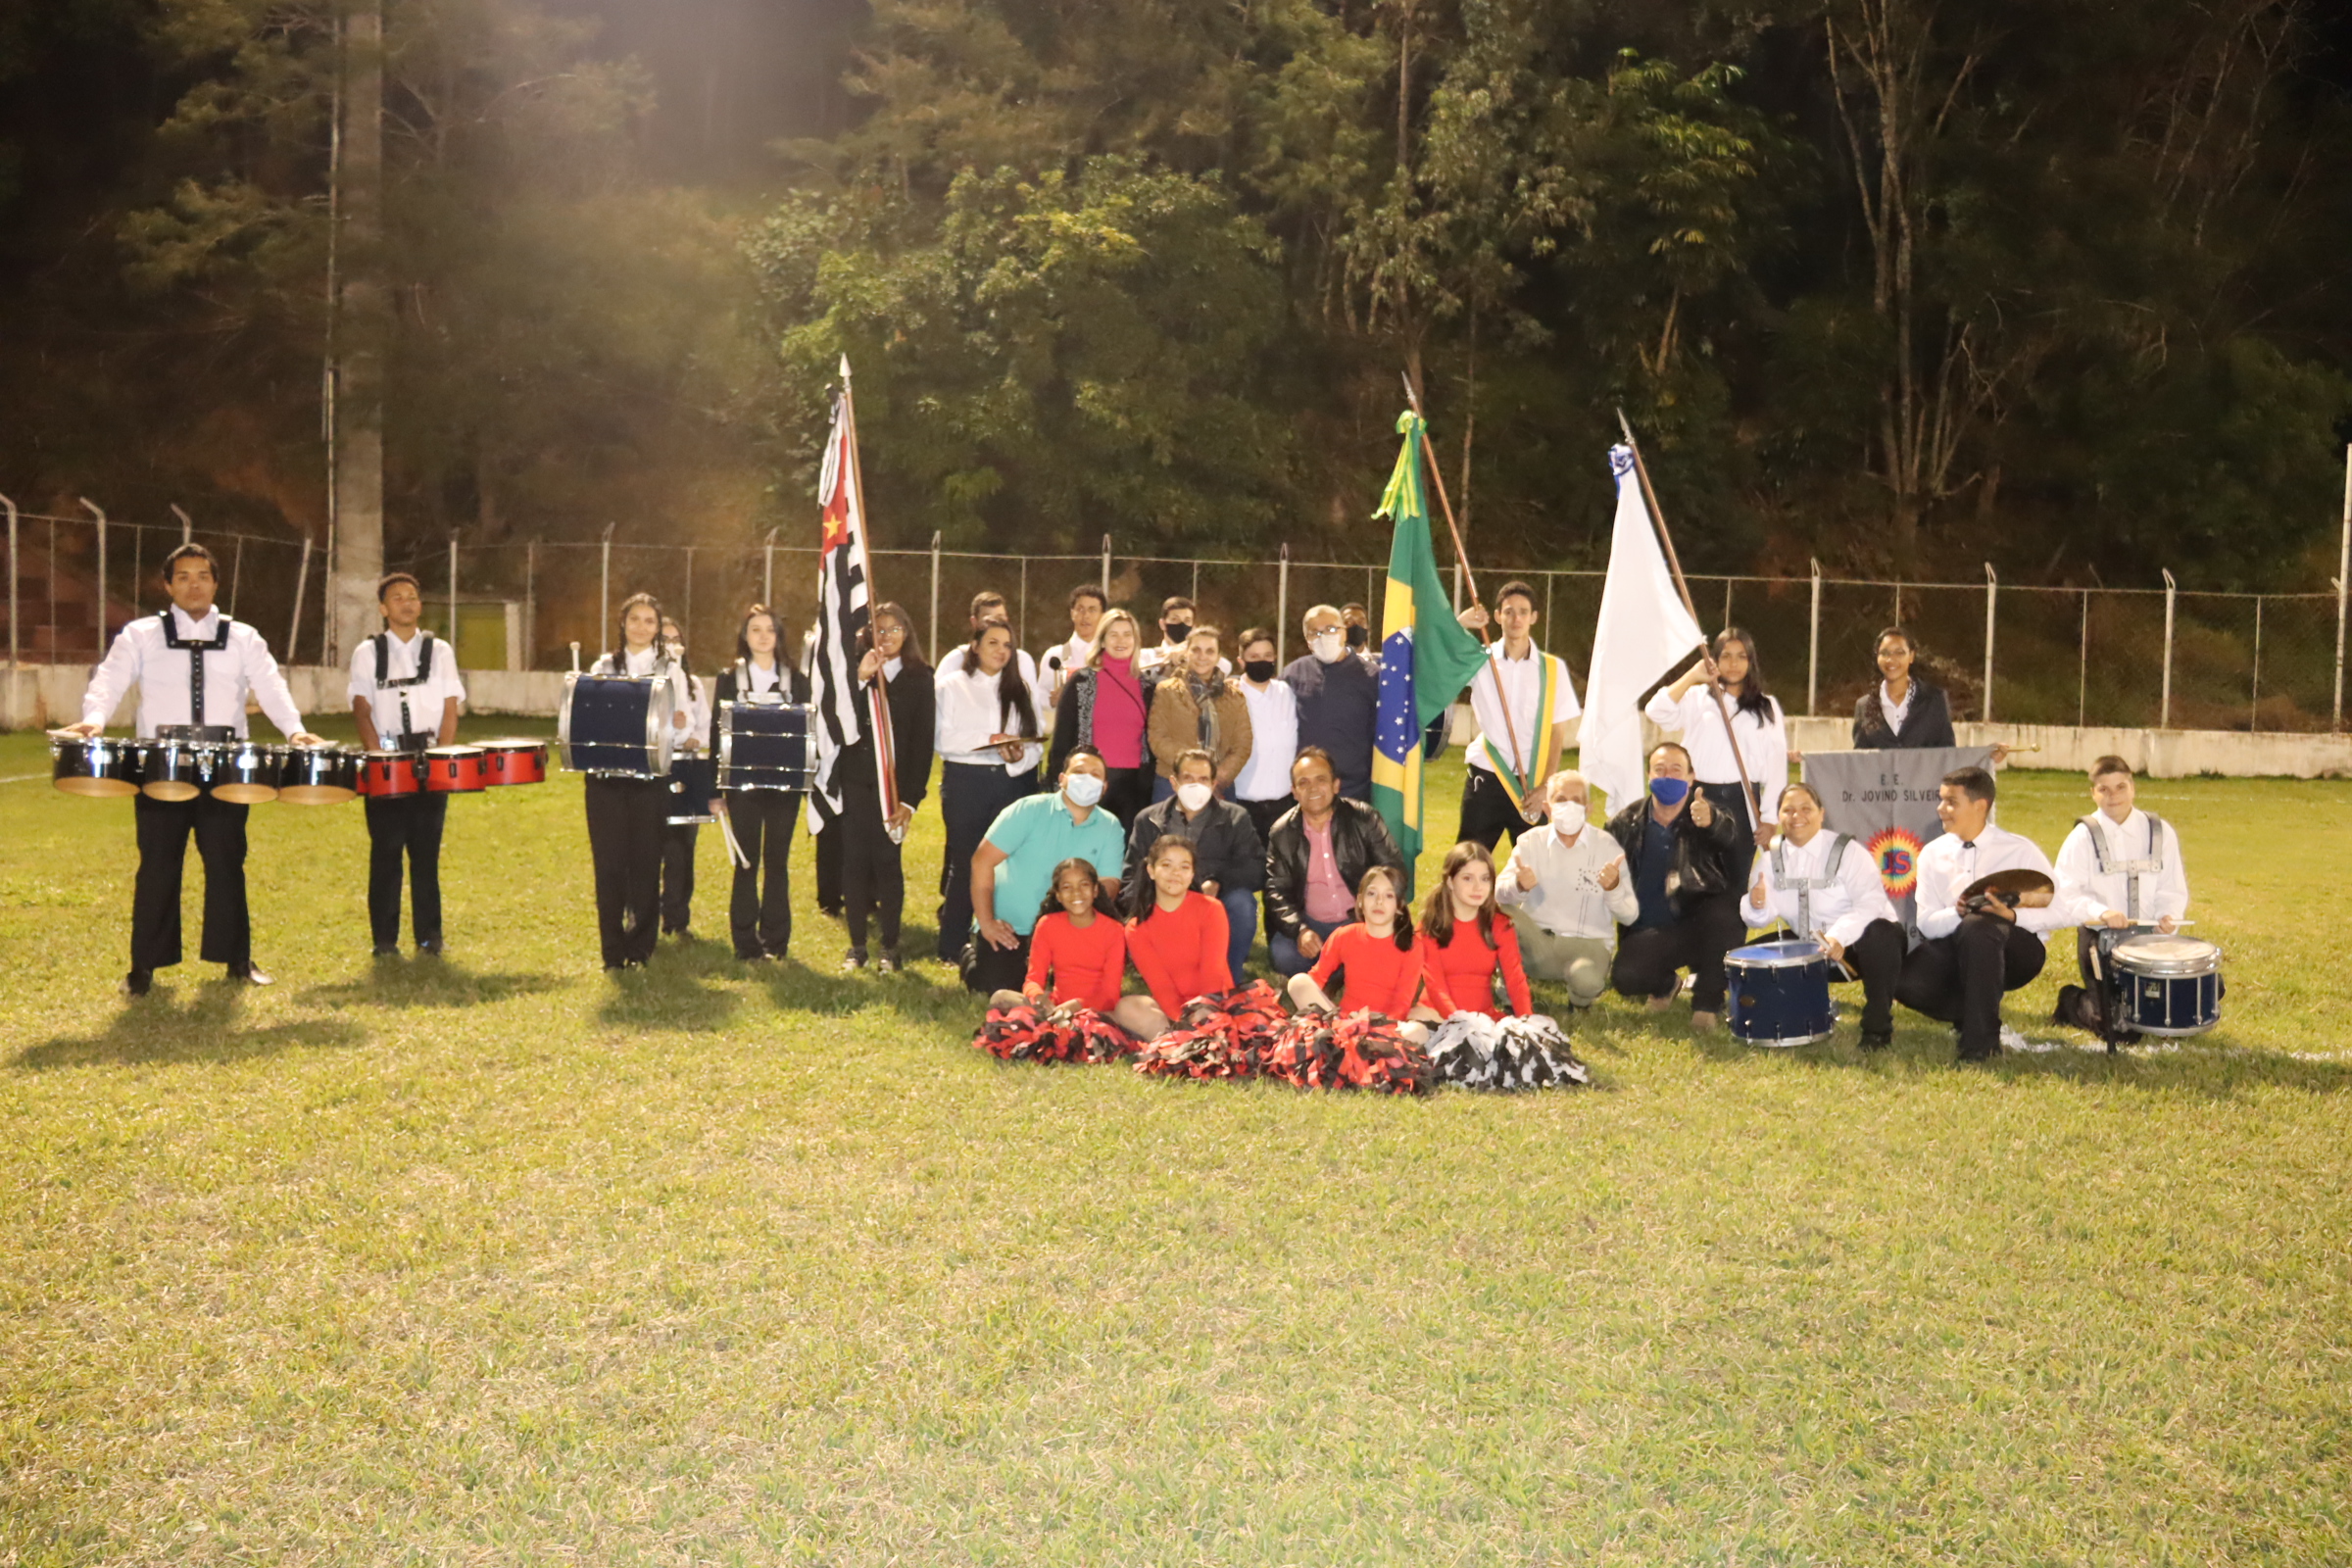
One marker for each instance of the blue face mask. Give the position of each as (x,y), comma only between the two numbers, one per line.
(1669,791)
(1083,788)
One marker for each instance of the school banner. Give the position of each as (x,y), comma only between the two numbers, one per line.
(1886,802)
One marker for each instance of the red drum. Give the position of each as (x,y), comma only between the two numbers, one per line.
(455,770)
(390,774)
(514,761)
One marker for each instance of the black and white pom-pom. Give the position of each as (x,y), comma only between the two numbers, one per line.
(1475,1051)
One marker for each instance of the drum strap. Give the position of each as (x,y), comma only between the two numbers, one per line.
(425,671)
(1806,886)
(745,694)
(196,647)
(2130,870)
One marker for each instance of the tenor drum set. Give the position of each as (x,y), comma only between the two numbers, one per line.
(247,772)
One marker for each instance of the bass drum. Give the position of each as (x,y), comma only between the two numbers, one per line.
(98,768)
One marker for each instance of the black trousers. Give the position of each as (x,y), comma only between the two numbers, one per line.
(1740,858)
(1877,955)
(1648,961)
(760,911)
(873,868)
(970,795)
(830,876)
(677,874)
(1960,978)
(1265,813)
(624,841)
(1126,791)
(162,828)
(995,969)
(405,826)
(1487,812)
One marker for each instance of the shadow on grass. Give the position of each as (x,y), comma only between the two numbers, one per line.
(159,1029)
(675,991)
(428,983)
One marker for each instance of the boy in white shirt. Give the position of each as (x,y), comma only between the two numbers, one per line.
(2119,869)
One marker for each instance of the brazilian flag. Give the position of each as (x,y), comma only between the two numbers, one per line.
(1426,658)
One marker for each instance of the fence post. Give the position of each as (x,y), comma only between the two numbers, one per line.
(302,583)
(2164,713)
(603,591)
(188,528)
(2082,668)
(1106,574)
(933,642)
(1021,620)
(1550,580)
(454,662)
(236,569)
(1993,588)
(2254,711)
(530,603)
(1813,650)
(11,506)
(99,514)
(767,571)
(2343,580)
(1282,611)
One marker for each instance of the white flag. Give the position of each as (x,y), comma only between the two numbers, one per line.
(1642,635)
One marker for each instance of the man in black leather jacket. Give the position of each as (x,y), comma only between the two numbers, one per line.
(1678,851)
(1303,909)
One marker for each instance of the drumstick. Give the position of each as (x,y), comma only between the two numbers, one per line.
(575,659)
(1823,939)
(726,829)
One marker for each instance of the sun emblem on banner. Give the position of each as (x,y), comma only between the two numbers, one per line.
(1897,850)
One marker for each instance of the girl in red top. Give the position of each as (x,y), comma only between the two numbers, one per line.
(1466,940)
(1380,957)
(1178,943)
(1079,946)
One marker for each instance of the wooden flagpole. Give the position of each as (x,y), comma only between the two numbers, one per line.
(886,754)
(1658,520)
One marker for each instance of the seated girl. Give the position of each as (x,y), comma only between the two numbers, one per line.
(1079,950)
(1177,942)
(1468,940)
(1385,967)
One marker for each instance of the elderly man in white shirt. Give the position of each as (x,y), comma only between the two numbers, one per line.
(1825,888)
(1974,951)
(404,695)
(1567,891)
(2120,868)
(193,667)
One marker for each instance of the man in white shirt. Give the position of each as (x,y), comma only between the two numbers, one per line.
(1054,667)
(1263,786)
(1825,888)
(405,694)
(1523,701)
(1177,618)
(1974,949)
(2120,868)
(1567,892)
(193,667)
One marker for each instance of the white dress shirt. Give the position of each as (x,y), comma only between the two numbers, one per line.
(647,662)
(1517,683)
(1896,712)
(970,710)
(1835,902)
(1273,741)
(1568,900)
(142,657)
(2088,894)
(1948,864)
(752,681)
(953,663)
(1053,668)
(404,710)
(1763,741)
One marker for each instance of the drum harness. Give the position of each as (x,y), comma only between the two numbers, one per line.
(196,729)
(410,739)
(1806,885)
(2130,870)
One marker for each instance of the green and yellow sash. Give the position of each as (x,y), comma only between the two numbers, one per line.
(1520,781)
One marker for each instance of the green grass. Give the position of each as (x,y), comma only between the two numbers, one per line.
(497,1260)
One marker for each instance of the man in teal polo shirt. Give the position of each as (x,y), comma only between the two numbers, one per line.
(1013,868)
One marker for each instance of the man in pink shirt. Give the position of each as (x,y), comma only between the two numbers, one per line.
(1315,856)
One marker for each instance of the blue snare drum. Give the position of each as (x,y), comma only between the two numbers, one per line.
(2168,985)
(693,781)
(1780,992)
(763,746)
(615,724)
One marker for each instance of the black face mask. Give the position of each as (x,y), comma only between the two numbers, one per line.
(1260,671)
(1177,630)
(1358,636)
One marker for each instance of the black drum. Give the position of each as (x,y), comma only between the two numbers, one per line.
(174,769)
(318,775)
(97,767)
(763,746)
(617,724)
(244,773)
(693,781)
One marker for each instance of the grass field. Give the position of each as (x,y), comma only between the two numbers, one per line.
(498,1260)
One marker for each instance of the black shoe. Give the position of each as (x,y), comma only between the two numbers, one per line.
(829,911)
(429,950)
(391,951)
(890,962)
(854,961)
(251,974)
(138,982)
(1983,1053)
(1876,1042)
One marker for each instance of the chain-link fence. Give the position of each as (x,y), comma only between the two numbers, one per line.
(2122,656)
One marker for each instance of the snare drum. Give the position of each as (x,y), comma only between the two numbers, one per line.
(243,773)
(318,775)
(455,770)
(514,762)
(617,724)
(391,775)
(174,769)
(1780,992)
(2167,985)
(693,781)
(97,766)
(763,746)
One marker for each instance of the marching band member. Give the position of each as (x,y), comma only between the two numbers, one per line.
(677,838)
(1825,888)
(2120,867)
(1523,703)
(193,666)
(625,813)
(404,695)
(1973,948)
(760,911)
(1687,706)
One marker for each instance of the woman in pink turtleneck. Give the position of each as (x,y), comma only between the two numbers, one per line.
(1104,705)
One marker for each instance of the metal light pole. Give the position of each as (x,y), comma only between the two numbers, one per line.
(1993,588)
(97,511)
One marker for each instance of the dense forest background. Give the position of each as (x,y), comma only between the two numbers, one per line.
(1906,286)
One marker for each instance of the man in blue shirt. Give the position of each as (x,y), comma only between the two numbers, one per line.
(1014,868)
(1339,701)
(1678,848)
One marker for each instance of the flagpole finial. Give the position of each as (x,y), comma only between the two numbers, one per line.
(845,368)
(1622,423)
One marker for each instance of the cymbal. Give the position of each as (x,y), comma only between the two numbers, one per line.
(2031,889)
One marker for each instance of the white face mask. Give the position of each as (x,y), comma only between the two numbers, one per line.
(1329,646)
(1192,797)
(1568,818)
(1083,788)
